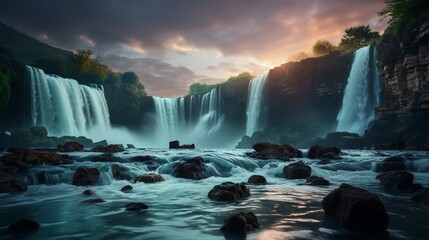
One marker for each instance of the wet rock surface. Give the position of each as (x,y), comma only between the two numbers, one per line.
(23,226)
(193,168)
(257,180)
(396,179)
(266,150)
(240,223)
(86,176)
(149,178)
(229,191)
(136,206)
(297,170)
(322,152)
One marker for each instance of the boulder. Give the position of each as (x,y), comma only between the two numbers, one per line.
(396,179)
(229,191)
(356,209)
(23,226)
(93,200)
(130,146)
(126,188)
(317,181)
(32,156)
(113,148)
(8,171)
(394,163)
(193,168)
(88,192)
(421,198)
(176,144)
(86,176)
(12,185)
(266,150)
(39,132)
(425,147)
(345,140)
(102,143)
(297,170)
(257,179)
(70,147)
(142,158)
(318,151)
(149,178)
(240,223)
(136,206)
(118,174)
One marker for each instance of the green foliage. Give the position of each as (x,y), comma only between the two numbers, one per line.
(387,48)
(243,75)
(4,87)
(357,37)
(399,11)
(129,78)
(200,88)
(323,47)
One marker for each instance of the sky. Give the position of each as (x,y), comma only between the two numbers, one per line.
(171,44)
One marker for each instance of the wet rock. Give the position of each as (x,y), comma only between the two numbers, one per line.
(67,161)
(12,185)
(240,223)
(118,173)
(88,192)
(86,176)
(20,166)
(193,168)
(297,170)
(318,151)
(317,181)
(149,178)
(229,191)
(136,206)
(142,158)
(394,163)
(176,144)
(106,157)
(70,147)
(324,161)
(421,198)
(425,147)
(6,171)
(39,131)
(130,146)
(93,200)
(345,140)
(266,150)
(102,143)
(23,226)
(356,209)
(126,188)
(113,148)
(257,179)
(31,156)
(396,179)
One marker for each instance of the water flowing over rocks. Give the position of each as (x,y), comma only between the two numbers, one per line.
(297,170)
(23,226)
(193,168)
(149,178)
(356,209)
(86,176)
(126,188)
(240,223)
(394,163)
(12,185)
(266,150)
(317,181)
(396,179)
(229,191)
(257,179)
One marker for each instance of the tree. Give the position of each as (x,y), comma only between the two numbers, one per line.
(323,47)
(402,10)
(129,78)
(200,88)
(357,37)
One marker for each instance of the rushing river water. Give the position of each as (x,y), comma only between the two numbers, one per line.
(180,209)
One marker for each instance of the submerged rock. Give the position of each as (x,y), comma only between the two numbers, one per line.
(136,206)
(240,223)
(88,192)
(266,150)
(93,200)
(176,144)
(322,152)
(113,148)
(297,170)
(149,178)
(126,188)
(229,191)
(193,168)
(394,163)
(23,226)
(257,179)
(421,198)
(12,185)
(70,147)
(86,176)
(142,158)
(356,209)
(118,173)
(396,179)
(317,181)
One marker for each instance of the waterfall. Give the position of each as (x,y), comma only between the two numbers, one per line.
(64,106)
(362,93)
(255,106)
(188,118)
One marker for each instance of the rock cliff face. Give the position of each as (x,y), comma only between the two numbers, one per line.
(406,85)
(304,97)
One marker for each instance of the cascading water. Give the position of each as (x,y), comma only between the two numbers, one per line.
(188,119)
(255,114)
(64,107)
(362,93)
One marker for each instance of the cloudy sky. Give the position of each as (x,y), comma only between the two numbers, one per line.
(171,44)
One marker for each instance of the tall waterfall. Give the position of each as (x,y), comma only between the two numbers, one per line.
(188,119)
(64,107)
(362,93)
(255,112)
